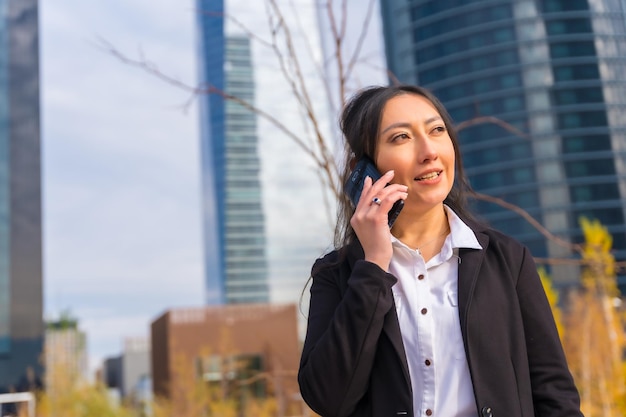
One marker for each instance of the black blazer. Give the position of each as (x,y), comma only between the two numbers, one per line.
(353,361)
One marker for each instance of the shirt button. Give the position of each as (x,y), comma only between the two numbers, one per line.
(427,362)
(424,310)
(429,412)
(420,277)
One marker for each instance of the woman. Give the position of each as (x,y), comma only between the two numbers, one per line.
(439,316)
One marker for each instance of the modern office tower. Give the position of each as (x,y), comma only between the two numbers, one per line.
(552,69)
(21,314)
(236,266)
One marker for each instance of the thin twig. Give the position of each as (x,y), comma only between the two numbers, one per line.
(152,69)
(494,120)
(530,219)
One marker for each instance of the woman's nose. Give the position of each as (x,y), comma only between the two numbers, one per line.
(426,150)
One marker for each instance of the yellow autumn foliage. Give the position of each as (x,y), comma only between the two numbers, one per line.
(593,332)
(553,299)
(70,397)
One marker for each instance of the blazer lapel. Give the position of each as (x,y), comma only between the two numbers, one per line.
(471,260)
(391,327)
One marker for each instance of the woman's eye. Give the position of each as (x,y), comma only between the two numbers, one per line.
(401,136)
(439,129)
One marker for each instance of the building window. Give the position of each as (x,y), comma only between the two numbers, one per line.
(482,86)
(568,26)
(231,373)
(510,80)
(574,120)
(594,192)
(590,168)
(589,143)
(576,72)
(572,49)
(462,44)
(581,193)
(563,5)
(480,63)
(526,199)
(514,103)
(503,35)
(461,113)
(507,58)
(516,226)
(609,216)
(578,96)
(522,175)
(470,65)
(5,344)
(486,181)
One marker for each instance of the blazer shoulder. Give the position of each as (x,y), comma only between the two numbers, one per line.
(495,237)
(338,259)
(326,261)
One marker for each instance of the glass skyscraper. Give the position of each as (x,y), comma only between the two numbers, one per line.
(554,70)
(21,314)
(234,229)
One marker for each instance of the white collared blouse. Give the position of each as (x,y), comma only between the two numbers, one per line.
(426,298)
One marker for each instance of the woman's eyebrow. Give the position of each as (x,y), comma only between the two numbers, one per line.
(395,125)
(433,119)
(408,125)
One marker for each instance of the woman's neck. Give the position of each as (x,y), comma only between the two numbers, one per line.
(419,230)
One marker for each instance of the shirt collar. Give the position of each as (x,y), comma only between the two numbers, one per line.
(461,236)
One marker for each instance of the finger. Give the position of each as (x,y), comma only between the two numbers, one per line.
(384,180)
(393,192)
(389,200)
(372,189)
(367,185)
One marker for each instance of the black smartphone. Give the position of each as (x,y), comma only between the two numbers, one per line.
(365,167)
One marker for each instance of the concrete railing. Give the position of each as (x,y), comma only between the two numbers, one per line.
(18,397)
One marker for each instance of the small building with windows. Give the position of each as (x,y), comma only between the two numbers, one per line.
(65,355)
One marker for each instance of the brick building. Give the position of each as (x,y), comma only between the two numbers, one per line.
(229,344)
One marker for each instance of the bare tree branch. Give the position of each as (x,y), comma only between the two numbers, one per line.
(530,219)
(241,26)
(153,70)
(301,91)
(494,120)
(338,37)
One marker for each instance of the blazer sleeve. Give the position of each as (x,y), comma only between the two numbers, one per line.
(553,389)
(344,326)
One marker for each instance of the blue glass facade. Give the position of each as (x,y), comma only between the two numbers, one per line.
(236,265)
(553,69)
(5,282)
(21,314)
(210,26)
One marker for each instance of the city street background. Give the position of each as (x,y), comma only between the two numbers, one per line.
(121,178)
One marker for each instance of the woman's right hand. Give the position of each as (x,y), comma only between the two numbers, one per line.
(370,222)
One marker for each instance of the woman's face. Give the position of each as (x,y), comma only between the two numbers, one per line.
(414,142)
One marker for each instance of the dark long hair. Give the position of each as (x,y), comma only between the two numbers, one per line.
(360,124)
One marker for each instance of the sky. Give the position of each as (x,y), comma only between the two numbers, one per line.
(120,158)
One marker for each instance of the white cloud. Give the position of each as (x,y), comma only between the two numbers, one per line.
(122,237)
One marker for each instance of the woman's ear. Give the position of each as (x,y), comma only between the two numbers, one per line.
(352,161)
